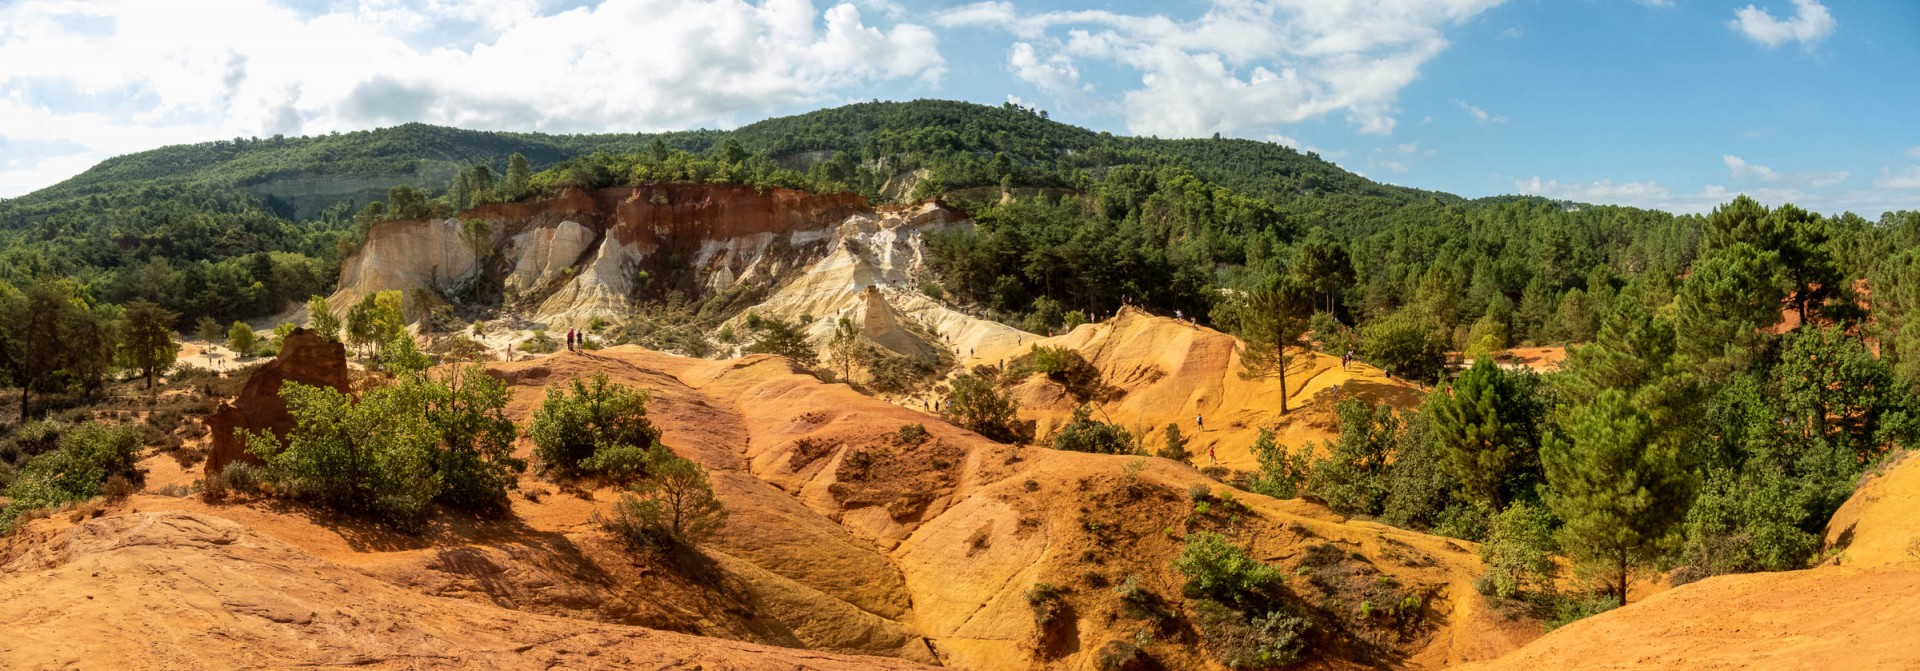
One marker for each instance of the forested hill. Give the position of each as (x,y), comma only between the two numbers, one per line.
(428,157)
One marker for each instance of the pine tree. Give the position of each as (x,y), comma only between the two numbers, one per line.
(1273,323)
(519,176)
(1619,486)
(1487,423)
(1321,264)
(1728,297)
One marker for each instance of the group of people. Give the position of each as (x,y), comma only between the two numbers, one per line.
(574,338)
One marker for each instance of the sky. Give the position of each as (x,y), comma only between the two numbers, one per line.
(1670,104)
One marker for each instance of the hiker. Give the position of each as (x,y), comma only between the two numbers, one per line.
(1347,360)
(1211,459)
(1199,423)
(569,340)
(1179,316)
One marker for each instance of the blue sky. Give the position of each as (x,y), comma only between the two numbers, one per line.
(1674,104)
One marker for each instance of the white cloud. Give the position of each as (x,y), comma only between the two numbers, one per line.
(1663,4)
(1480,115)
(1810,24)
(198,71)
(1903,180)
(1745,170)
(1914,152)
(1054,74)
(1827,179)
(1244,66)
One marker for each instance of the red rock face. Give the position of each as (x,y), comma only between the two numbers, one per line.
(305,358)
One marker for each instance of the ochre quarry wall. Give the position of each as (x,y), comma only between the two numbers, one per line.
(566,259)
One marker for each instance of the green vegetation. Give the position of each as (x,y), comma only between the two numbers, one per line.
(87,457)
(672,505)
(402,447)
(1083,433)
(597,429)
(1234,605)
(974,404)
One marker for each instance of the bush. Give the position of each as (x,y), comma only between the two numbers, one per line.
(400,448)
(1281,473)
(1084,434)
(239,476)
(1064,366)
(1519,551)
(1568,609)
(1352,479)
(1176,447)
(672,505)
(1237,641)
(618,462)
(1219,570)
(973,404)
(569,429)
(89,455)
(1122,656)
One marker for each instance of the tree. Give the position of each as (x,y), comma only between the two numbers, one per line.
(1488,428)
(1322,266)
(1176,447)
(775,336)
(321,319)
(389,319)
(1727,299)
(1273,324)
(673,503)
(1083,433)
(241,340)
(472,438)
(477,236)
(1620,487)
(1352,479)
(47,333)
(1282,472)
(1404,344)
(1518,551)
(361,327)
(146,339)
(843,349)
(210,330)
(371,457)
(519,176)
(973,404)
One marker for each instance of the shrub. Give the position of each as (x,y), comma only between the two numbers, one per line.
(1220,570)
(672,505)
(1281,473)
(1571,608)
(1121,656)
(1138,602)
(117,487)
(1083,433)
(1519,551)
(401,447)
(89,454)
(1352,479)
(1064,366)
(973,404)
(1238,641)
(1176,448)
(578,421)
(238,476)
(540,343)
(618,461)
(911,435)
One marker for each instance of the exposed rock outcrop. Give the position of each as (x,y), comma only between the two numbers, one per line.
(568,259)
(306,358)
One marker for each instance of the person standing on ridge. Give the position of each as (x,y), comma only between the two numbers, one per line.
(1198,423)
